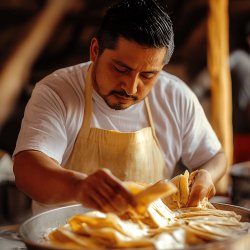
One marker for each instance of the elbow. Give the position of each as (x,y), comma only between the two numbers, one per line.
(18,174)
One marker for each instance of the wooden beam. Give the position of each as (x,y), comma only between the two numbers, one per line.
(218,64)
(18,66)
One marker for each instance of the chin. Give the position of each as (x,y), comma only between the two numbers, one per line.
(119,106)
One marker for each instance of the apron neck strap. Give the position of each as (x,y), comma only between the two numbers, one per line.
(151,122)
(88,103)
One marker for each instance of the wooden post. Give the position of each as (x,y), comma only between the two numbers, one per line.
(218,65)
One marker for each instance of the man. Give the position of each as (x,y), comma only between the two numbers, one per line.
(121,112)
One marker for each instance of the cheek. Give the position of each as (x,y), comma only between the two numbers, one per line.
(145,88)
(105,81)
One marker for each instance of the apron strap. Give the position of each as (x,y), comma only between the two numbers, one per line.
(151,122)
(88,104)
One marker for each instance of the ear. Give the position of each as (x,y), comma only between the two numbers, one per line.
(94,49)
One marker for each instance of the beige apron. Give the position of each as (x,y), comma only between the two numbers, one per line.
(134,156)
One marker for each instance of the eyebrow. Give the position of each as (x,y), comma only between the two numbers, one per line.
(129,68)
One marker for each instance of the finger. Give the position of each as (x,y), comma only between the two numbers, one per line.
(197,194)
(115,198)
(86,197)
(103,197)
(90,195)
(211,192)
(111,200)
(115,184)
(102,202)
(120,204)
(91,203)
(124,194)
(115,206)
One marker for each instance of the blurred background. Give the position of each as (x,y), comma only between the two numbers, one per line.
(69,44)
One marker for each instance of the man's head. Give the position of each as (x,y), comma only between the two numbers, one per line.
(145,22)
(132,45)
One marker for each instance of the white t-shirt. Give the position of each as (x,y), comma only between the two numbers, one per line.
(55,112)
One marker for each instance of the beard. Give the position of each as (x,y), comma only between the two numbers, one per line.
(112,98)
(120,93)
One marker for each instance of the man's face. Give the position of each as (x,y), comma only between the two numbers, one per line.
(124,76)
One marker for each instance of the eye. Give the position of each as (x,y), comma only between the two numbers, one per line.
(148,75)
(120,69)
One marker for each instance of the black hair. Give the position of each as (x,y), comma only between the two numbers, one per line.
(145,22)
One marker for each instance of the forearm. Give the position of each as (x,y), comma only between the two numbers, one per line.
(217,166)
(43,179)
(46,181)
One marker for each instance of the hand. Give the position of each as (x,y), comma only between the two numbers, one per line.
(104,192)
(201,186)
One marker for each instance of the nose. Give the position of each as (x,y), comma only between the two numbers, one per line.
(130,84)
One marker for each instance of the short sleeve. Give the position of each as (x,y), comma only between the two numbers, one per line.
(199,141)
(43,127)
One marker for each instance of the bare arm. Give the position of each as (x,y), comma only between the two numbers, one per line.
(44,180)
(205,177)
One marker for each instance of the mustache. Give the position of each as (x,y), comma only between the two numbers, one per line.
(123,93)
